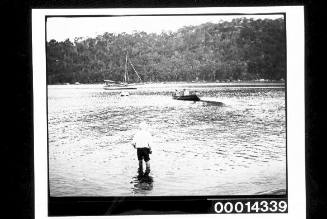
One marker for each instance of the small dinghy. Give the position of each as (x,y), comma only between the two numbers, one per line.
(124,93)
(191,97)
(185,95)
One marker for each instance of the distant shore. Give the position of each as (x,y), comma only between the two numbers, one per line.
(172,86)
(263,81)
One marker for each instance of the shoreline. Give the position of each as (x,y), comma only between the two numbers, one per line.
(179,85)
(187,82)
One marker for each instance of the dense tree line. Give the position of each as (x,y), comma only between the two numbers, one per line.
(243,49)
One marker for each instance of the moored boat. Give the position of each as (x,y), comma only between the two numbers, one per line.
(116,85)
(119,88)
(124,94)
(112,85)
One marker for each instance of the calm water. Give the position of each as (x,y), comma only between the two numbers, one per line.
(198,148)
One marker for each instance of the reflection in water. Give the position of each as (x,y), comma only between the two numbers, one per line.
(142,182)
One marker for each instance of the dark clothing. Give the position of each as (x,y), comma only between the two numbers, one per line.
(143,153)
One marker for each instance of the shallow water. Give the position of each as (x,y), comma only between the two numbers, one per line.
(199,148)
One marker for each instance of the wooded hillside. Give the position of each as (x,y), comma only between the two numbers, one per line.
(243,49)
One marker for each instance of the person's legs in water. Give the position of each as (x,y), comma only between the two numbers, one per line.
(140,159)
(147,161)
(147,169)
(140,169)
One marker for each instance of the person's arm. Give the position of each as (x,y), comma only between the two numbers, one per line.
(134,142)
(150,142)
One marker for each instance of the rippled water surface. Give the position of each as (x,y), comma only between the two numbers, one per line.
(199,148)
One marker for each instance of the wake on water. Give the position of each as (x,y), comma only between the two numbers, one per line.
(212,103)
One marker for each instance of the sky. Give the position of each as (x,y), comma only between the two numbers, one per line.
(61,28)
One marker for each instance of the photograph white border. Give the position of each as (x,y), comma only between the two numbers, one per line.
(295,103)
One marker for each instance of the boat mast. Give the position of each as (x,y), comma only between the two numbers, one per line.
(130,62)
(126,69)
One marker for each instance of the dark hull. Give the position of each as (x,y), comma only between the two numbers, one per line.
(191,97)
(119,88)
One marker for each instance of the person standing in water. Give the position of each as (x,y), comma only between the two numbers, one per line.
(141,142)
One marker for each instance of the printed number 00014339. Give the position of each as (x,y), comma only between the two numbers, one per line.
(264,206)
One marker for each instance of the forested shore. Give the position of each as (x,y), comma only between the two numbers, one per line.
(239,50)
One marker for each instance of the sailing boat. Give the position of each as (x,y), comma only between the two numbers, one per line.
(117,85)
